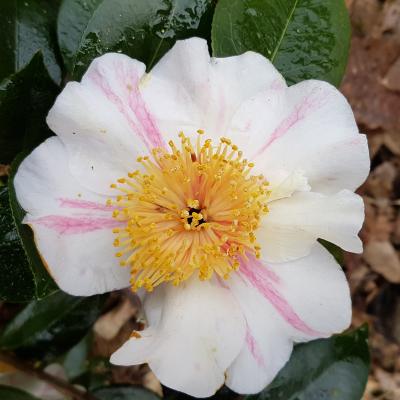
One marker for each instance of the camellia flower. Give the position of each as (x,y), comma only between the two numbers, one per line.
(206,183)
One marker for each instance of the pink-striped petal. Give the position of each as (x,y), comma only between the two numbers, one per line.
(72,226)
(189,90)
(104,121)
(284,303)
(308,126)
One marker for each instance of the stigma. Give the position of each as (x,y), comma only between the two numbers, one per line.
(192,209)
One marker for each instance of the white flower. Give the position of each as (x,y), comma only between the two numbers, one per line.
(226,250)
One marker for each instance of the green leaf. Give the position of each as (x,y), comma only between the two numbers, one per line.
(47,328)
(73,18)
(142,29)
(11,393)
(336,251)
(327,369)
(303,38)
(124,393)
(223,393)
(76,361)
(27,27)
(44,284)
(98,374)
(25,99)
(16,278)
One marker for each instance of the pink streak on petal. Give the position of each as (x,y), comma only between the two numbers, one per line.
(138,106)
(75,225)
(133,104)
(263,272)
(264,280)
(253,348)
(300,112)
(84,205)
(250,340)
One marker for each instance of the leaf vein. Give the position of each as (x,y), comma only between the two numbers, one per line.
(290,17)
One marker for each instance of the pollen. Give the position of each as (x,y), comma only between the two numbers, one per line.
(192,209)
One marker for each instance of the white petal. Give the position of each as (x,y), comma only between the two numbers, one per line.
(284,184)
(310,127)
(187,90)
(341,165)
(104,121)
(118,111)
(72,226)
(267,346)
(293,224)
(317,289)
(296,301)
(199,332)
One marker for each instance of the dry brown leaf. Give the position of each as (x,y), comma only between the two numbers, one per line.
(132,375)
(372,290)
(375,142)
(364,14)
(378,225)
(4,170)
(359,318)
(391,18)
(151,382)
(383,259)
(375,106)
(358,276)
(391,140)
(396,231)
(389,382)
(392,78)
(349,3)
(385,353)
(6,368)
(104,348)
(381,180)
(372,388)
(108,325)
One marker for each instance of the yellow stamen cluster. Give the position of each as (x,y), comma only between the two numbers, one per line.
(193,209)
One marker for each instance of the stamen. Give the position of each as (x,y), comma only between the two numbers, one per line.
(194,209)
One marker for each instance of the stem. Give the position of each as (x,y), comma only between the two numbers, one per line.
(57,383)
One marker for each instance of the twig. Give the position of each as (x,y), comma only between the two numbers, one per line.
(57,383)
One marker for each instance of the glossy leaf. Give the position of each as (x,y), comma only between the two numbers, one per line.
(304,38)
(224,393)
(124,393)
(335,250)
(75,361)
(25,99)
(16,278)
(73,18)
(142,29)
(49,327)
(28,26)
(98,374)
(11,393)
(327,369)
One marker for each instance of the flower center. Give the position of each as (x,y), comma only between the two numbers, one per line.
(193,209)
